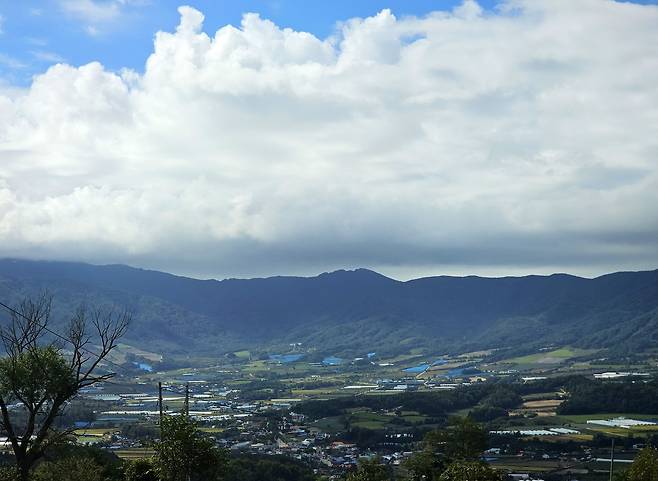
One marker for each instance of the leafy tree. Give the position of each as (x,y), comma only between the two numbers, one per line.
(424,466)
(8,473)
(184,453)
(37,376)
(502,397)
(140,470)
(594,396)
(645,466)
(270,468)
(487,413)
(470,471)
(463,439)
(109,463)
(70,469)
(370,471)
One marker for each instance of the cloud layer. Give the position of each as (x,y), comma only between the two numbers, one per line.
(520,139)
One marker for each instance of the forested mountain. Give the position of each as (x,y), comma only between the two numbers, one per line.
(352,311)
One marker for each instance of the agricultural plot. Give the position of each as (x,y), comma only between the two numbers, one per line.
(134,453)
(557,356)
(541,361)
(123,350)
(580,422)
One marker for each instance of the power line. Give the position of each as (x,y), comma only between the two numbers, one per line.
(56,334)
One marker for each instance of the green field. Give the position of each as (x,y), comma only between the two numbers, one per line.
(583,418)
(580,422)
(360,418)
(551,357)
(330,424)
(135,453)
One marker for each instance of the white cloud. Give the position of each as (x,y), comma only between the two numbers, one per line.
(46,56)
(10,62)
(96,14)
(92,11)
(514,140)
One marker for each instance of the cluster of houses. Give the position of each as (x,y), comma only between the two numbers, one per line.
(265,427)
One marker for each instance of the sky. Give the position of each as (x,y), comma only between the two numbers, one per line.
(255,138)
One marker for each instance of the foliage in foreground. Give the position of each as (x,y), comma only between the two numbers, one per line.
(36,376)
(645,466)
(370,471)
(184,454)
(470,471)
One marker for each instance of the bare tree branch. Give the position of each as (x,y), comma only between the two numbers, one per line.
(36,374)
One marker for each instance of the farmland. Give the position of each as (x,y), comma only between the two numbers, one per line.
(304,398)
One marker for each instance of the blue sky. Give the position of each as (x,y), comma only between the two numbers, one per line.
(36,34)
(495,142)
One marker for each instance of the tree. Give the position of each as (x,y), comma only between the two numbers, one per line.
(36,375)
(645,466)
(270,468)
(370,471)
(463,439)
(8,473)
(70,469)
(140,470)
(470,471)
(183,453)
(424,466)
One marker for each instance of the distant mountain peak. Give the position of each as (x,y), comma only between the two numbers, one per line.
(358,273)
(356,310)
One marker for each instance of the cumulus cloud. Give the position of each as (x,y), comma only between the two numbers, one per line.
(466,140)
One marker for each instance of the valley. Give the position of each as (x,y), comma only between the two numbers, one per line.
(330,414)
(326,372)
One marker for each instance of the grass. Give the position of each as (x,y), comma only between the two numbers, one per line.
(313,392)
(580,421)
(88,439)
(366,419)
(542,404)
(583,418)
(94,431)
(330,424)
(134,453)
(510,464)
(373,425)
(212,430)
(541,396)
(622,433)
(415,418)
(122,351)
(557,356)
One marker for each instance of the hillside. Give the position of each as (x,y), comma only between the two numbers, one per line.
(352,311)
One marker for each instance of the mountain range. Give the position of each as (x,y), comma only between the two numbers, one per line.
(351,312)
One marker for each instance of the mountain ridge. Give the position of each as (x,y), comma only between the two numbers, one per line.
(356,270)
(352,310)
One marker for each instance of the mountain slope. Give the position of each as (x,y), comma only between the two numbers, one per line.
(351,311)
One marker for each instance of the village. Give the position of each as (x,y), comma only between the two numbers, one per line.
(255,407)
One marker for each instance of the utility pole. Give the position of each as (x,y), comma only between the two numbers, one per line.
(612,459)
(187,413)
(187,399)
(160,403)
